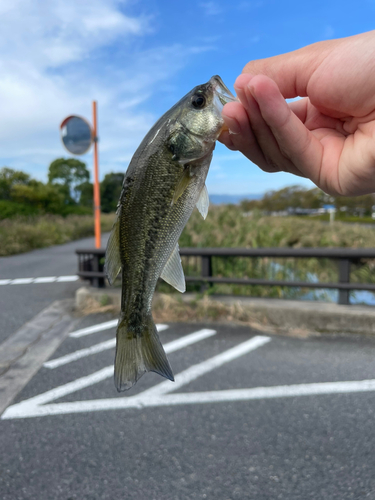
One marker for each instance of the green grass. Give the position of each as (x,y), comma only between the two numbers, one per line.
(339,217)
(226,226)
(22,234)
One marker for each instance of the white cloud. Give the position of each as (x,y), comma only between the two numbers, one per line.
(49,34)
(56,57)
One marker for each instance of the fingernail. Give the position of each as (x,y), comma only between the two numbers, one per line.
(232,124)
(241,82)
(226,139)
(252,90)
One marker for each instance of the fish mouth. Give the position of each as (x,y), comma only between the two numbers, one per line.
(221,91)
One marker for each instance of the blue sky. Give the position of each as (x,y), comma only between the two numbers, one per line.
(137,58)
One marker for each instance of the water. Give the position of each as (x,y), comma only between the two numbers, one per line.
(362,297)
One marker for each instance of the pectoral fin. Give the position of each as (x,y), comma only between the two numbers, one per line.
(182,184)
(173,272)
(112,264)
(203,202)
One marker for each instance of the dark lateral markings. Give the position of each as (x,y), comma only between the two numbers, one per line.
(166,393)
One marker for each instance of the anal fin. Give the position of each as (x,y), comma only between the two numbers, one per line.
(173,272)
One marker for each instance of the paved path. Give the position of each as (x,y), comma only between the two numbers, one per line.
(22,300)
(250,416)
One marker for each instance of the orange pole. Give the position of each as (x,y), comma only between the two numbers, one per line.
(96,178)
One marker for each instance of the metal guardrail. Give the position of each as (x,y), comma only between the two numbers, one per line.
(91,266)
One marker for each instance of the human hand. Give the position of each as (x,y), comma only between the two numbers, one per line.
(329,135)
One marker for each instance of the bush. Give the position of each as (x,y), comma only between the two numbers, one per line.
(22,234)
(12,209)
(228,226)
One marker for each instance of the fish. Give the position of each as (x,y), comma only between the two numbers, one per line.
(164,181)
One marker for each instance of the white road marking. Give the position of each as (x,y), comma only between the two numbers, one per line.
(82,353)
(22,281)
(46,279)
(105,326)
(37,406)
(64,390)
(192,338)
(61,279)
(42,279)
(200,369)
(109,344)
(96,328)
(283,391)
(94,378)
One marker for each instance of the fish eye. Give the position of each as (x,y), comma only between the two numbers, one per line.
(198,101)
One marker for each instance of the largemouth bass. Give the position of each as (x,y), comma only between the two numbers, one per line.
(165,180)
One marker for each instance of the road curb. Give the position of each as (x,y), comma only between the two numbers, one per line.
(24,352)
(288,316)
(319,317)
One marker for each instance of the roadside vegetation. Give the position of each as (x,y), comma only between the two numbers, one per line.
(22,234)
(34,214)
(299,200)
(68,191)
(229,226)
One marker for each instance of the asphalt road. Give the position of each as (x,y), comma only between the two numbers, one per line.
(21,302)
(250,416)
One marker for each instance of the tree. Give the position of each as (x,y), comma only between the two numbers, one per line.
(294,197)
(249,205)
(10,178)
(86,194)
(68,173)
(358,205)
(290,197)
(39,196)
(110,190)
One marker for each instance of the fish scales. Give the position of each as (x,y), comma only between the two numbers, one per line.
(164,182)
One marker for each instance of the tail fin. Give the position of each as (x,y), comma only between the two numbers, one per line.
(138,355)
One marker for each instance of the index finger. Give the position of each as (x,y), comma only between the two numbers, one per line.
(292,71)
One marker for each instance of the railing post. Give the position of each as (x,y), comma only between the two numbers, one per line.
(97,282)
(344,277)
(206,270)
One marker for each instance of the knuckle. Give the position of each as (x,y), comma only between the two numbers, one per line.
(271,165)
